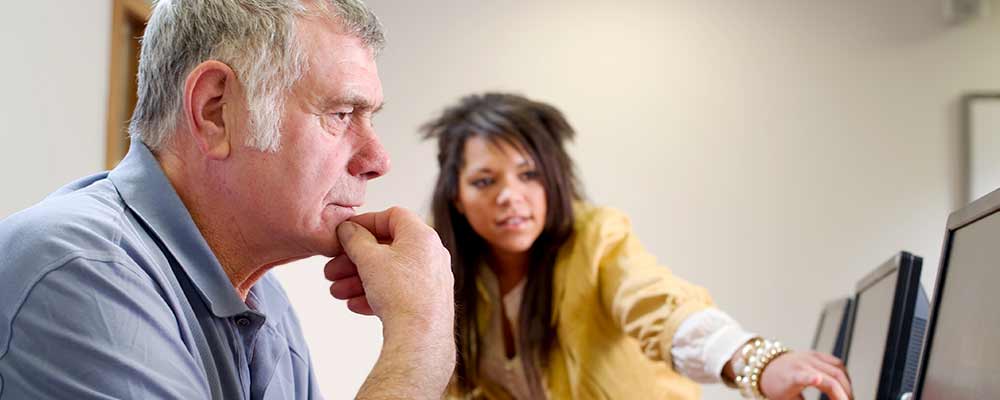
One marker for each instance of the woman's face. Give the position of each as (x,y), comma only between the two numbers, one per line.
(501,194)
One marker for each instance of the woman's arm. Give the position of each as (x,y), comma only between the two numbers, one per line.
(787,374)
(704,345)
(675,321)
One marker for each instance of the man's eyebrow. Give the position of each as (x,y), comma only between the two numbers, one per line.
(353,99)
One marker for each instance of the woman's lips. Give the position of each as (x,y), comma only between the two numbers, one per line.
(514,222)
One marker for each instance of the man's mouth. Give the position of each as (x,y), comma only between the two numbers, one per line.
(350,206)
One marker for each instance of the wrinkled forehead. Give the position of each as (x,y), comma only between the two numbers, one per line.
(338,64)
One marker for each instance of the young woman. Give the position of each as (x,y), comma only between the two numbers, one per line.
(556,298)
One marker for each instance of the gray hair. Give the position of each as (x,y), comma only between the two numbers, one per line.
(256,38)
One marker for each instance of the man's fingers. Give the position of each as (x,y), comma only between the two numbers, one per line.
(360,305)
(381,224)
(389,225)
(347,288)
(339,268)
(358,242)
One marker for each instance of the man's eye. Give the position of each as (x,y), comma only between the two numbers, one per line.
(338,121)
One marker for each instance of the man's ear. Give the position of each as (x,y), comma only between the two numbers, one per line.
(209,89)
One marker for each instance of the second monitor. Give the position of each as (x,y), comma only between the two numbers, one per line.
(887,329)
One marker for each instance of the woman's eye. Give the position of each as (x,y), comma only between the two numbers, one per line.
(482,182)
(529,175)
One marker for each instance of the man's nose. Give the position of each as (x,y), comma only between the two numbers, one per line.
(371,159)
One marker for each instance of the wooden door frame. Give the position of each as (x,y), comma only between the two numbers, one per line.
(126,16)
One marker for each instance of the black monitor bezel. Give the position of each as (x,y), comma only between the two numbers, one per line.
(907,290)
(975,211)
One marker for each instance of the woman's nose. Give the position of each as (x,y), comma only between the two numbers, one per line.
(509,193)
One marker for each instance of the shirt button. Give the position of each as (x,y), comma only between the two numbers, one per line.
(243,321)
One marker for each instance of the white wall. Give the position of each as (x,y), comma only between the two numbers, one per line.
(53,96)
(772,151)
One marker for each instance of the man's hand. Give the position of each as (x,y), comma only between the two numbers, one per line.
(396,268)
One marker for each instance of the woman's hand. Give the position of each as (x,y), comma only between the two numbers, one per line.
(789,374)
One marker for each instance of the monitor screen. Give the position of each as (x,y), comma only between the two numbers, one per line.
(826,336)
(829,328)
(873,312)
(964,355)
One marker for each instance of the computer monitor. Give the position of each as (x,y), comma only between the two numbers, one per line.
(888,322)
(962,355)
(831,333)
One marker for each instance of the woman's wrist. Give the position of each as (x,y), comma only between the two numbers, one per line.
(735,363)
(749,363)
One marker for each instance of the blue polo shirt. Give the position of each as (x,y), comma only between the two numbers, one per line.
(109,291)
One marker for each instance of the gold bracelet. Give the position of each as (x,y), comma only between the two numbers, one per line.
(756,355)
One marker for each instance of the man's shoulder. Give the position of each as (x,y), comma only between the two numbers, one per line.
(84,218)
(85,322)
(80,225)
(75,268)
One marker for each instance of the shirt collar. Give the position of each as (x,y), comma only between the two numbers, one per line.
(149,194)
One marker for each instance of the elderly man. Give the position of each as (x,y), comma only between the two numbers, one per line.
(252,145)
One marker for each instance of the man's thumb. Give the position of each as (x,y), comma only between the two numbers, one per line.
(355,239)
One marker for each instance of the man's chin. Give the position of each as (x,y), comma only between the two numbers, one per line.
(333,217)
(335,251)
(328,245)
(322,243)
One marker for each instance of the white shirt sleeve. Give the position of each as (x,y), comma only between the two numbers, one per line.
(705,342)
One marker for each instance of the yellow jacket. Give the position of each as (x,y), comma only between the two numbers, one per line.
(615,311)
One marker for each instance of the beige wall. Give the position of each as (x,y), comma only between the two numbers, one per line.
(772,151)
(53,96)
